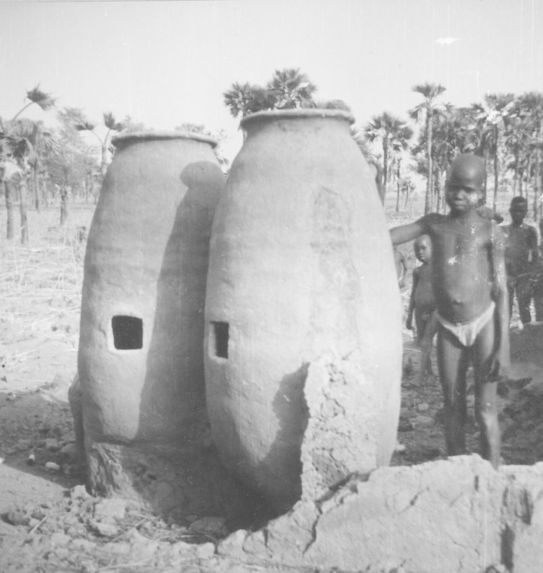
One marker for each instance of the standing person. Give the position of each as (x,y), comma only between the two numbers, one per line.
(469,283)
(521,257)
(422,305)
(488,213)
(538,279)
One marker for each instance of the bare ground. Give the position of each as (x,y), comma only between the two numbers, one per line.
(48,522)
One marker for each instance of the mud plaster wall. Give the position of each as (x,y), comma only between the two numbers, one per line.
(300,262)
(457,515)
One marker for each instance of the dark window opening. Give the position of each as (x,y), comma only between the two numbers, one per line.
(220,331)
(127,332)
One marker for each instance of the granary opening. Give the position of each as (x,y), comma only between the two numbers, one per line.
(127,332)
(220,339)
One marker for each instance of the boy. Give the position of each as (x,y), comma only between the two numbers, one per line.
(422,305)
(520,258)
(469,284)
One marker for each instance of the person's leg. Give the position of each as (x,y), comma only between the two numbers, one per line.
(510,295)
(453,360)
(538,299)
(486,411)
(421,319)
(426,344)
(524,297)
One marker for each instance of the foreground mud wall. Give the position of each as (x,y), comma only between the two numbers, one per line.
(458,515)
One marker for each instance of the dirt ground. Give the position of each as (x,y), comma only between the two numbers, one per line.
(49,523)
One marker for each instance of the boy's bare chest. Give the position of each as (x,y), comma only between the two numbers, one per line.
(453,244)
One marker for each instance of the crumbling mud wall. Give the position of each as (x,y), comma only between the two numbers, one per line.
(341,433)
(300,264)
(456,515)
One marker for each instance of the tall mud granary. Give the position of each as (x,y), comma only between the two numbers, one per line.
(303,315)
(140,362)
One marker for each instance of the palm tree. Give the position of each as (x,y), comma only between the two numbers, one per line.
(387,129)
(37,97)
(35,141)
(15,151)
(531,111)
(243,99)
(373,160)
(494,114)
(10,172)
(290,88)
(425,109)
(399,144)
(516,142)
(111,124)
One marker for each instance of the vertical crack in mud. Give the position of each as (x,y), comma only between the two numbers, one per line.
(314,527)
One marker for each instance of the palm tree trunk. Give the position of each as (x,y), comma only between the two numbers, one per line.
(537,184)
(23,211)
(63,205)
(429,159)
(496,167)
(10,225)
(36,188)
(43,190)
(527,176)
(485,182)
(385,168)
(495,198)
(398,185)
(103,160)
(516,173)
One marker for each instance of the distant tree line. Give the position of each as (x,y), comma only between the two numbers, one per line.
(505,129)
(42,165)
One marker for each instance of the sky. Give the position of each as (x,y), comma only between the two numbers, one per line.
(166,63)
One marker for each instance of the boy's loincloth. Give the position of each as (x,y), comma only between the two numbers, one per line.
(466,332)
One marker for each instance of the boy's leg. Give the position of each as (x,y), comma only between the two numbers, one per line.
(524,296)
(453,361)
(426,342)
(486,410)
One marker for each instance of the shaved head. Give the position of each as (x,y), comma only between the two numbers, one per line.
(467,169)
(422,240)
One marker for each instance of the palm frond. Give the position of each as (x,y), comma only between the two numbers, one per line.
(40,98)
(84,126)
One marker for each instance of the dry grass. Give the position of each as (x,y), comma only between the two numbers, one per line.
(41,294)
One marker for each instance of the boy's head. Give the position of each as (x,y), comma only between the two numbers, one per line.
(518,209)
(465,182)
(423,248)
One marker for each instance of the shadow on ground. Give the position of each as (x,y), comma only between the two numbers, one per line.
(36,447)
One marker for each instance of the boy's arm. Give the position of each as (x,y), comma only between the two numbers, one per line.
(497,250)
(408,232)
